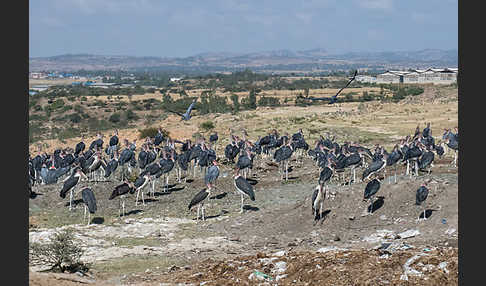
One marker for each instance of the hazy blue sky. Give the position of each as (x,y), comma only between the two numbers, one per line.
(184,28)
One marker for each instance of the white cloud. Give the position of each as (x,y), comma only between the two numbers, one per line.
(91,7)
(384,5)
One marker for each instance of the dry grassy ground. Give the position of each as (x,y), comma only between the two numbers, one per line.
(161,243)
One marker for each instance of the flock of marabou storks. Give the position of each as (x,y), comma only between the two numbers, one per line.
(141,171)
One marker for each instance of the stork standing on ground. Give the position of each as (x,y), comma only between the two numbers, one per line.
(70,183)
(199,199)
(426,160)
(375,167)
(392,160)
(421,196)
(89,201)
(370,190)
(452,142)
(282,156)
(212,175)
(244,188)
(122,191)
(326,174)
(213,140)
(140,184)
(318,198)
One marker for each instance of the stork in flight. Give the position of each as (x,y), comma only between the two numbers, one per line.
(187,115)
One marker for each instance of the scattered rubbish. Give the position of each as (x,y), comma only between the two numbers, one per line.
(383,217)
(279,253)
(409,233)
(329,248)
(380,235)
(280,267)
(450,231)
(259,275)
(444,221)
(282,276)
(409,270)
(427,249)
(443,266)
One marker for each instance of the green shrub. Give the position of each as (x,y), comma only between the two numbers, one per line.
(130,115)
(268,101)
(75,118)
(207,125)
(115,118)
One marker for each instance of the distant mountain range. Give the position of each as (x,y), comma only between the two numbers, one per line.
(270,61)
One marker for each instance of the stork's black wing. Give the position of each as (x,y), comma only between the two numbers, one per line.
(371,188)
(89,199)
(243,185)
(68,185)
(325,175)
(199,197)
(120,190)
(421,195)
(212,174)
(426,159)
(374,166)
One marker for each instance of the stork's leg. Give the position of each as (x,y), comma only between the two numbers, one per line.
(197,216)
(203,216)
(123,206)
(71,196)
(321,208)
(136,200)
(167,182)
(89,218)
(408,168)
(241,211)
(143,201)
(84,216)
(286,170)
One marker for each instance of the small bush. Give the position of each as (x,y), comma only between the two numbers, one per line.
(130,115)
(115,118)
(151,132)
(60,253)
(75,118)
(207,125)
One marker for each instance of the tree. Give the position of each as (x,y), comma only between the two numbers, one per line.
(250,101)
(236,103)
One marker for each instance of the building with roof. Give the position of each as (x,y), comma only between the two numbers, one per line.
(431,75)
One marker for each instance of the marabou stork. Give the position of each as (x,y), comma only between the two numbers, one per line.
(199,199)
(89,203)
(244,188)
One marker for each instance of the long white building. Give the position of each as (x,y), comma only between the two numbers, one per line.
(431,75)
